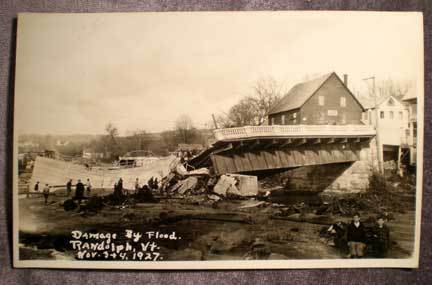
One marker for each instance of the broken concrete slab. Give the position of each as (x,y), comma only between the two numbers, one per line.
(236,185)
(223,184)
(187,184)
(198,172)
(233,191)
(181,170)
(247,184)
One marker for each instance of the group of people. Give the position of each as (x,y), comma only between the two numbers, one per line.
(152,184)
(80,188)
(143,192)
(358,237)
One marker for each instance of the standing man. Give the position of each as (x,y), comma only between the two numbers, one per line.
(89,186)
(45,192)
(79,191)
(356,237)
(137,186)
(36,187)
(120,185)
(381,235)
(69,187)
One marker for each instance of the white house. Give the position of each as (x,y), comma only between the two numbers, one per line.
(392,124)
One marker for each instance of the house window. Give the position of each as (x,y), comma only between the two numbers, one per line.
(400,115)
(272,121)
(382,114)
(391,115)
(283,119)
(321,100)
(294,115)
(343,102)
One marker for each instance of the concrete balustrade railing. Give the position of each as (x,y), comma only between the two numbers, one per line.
(294,131)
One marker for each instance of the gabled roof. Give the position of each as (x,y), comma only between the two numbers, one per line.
(369,103)
(299,94)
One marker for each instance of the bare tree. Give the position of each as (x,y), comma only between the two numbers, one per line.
(244,113)
(111,144)
(140,139)
(267,93)
(184,128)
(254,109)
(390,87)
(111,130)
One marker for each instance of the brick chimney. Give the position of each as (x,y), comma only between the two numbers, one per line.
(346,80)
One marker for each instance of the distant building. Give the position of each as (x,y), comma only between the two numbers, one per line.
(92,154)
(410,100)
(137,158)
(325,100)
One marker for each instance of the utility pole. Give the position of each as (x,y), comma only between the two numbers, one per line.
(214,121)
(378,141)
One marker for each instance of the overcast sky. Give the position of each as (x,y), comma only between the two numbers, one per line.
(77,72)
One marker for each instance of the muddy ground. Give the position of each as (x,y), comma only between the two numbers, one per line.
(209,230)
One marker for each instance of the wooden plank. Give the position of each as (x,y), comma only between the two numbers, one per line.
(238,162)
(216,164)
(245,162)
(250,156)
(276,158)
(229,162)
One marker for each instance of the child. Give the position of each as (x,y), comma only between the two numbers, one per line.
(381,236)
(356,237)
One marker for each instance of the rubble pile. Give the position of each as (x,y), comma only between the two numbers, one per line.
(181,182)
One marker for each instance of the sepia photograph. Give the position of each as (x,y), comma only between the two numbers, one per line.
(218,140)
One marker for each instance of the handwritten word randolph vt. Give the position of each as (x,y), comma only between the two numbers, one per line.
(129,245)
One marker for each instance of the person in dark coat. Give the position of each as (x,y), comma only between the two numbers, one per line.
(69,187)
(79,192)
(381,238)
(356,237)
(150,183)
(36,187)
(120,184)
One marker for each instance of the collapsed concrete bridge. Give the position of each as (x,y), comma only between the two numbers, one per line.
(258,148)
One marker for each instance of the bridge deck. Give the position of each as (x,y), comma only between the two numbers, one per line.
(257,148)
(306,131)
